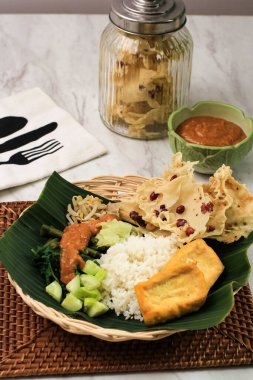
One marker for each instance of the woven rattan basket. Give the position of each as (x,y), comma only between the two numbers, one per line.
(113,188)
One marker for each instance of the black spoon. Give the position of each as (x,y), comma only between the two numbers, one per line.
(11,124)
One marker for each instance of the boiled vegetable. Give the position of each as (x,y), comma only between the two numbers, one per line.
(47,259)
(91,267)
(89,282)
(54,290)
(83,293)
(71,303)
(101,274)
(73,285)
(95,309)
(88,302)
(49,231)
(113,232)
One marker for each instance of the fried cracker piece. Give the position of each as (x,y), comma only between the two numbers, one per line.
(157,199)
(175,291)
(199,253)
(233,207)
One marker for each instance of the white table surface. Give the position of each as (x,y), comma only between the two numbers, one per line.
(60,55)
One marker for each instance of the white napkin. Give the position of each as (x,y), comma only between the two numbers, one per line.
(67,145)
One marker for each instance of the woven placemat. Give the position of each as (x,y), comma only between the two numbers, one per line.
(33,346)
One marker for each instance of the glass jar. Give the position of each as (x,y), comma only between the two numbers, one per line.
(143,78)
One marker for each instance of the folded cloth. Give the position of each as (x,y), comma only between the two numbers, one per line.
(38,137)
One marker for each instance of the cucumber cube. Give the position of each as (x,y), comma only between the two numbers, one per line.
(71,303)
(101,275)
(97,309)
(88,302)
(83,293)
(74,284)
(54,290)
(89,281)
(91,268)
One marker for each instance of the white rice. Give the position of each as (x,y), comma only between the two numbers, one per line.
(127,263)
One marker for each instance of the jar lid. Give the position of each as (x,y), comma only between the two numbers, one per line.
(148,17)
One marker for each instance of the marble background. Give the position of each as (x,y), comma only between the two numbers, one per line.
(60,54)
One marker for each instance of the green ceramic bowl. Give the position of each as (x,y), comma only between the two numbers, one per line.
(210,158)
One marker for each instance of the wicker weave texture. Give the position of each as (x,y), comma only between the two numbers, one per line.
(114,188)
(32,345)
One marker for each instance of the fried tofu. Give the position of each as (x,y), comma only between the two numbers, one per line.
(175,291)
(181,287)
(203,256)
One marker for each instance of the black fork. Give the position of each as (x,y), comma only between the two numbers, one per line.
(25,157)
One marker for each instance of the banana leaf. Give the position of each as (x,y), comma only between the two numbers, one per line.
(17,258)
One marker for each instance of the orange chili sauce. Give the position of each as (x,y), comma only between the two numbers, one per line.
(209,130)
(74,238)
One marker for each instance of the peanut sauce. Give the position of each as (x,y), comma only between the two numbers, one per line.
(210,131)
(76,237)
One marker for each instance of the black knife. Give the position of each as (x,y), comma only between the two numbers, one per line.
(28,137)
(11,124)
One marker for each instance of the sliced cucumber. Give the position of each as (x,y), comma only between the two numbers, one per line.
(88,302)
(91,267)
(73,285)
(54,290)
(101,275)
(71,303)
(97,309)
(89,281)
(83,293)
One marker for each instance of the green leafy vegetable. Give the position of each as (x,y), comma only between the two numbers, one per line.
(47,259)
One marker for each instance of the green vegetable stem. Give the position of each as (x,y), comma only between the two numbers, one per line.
(50,231)
(92,252)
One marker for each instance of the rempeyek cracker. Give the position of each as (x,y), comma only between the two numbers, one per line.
(177,204)
(233,206)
